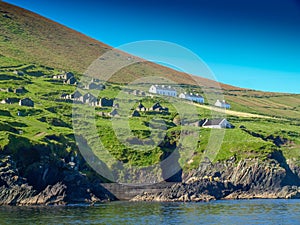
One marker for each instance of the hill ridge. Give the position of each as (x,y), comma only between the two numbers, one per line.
(44,41)
(31,38)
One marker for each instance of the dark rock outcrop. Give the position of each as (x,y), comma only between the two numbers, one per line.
(246,179)
(200,190)
(52,195)
(47,184)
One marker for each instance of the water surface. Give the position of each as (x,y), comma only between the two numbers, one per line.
(216,212)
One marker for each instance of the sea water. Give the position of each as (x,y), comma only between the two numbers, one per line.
(215,212)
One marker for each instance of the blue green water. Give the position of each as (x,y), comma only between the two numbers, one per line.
(218,212)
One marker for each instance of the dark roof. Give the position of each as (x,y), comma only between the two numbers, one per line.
(11,100)
(156,106)
(71,80)
(114,112)
(93,85)
(70,74)
(106,102)
(140,106)
(212,122)
(136,114)
(26,102)
(26,99)
(76,94)
(20,89)
(89,95)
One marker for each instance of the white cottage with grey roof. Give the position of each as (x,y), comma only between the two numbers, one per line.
(192,97)
(217,123)
(163,90)
(222,104)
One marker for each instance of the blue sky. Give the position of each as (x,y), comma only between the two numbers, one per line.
(253,44)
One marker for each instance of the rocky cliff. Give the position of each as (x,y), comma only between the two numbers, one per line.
(56,183)
(48,184)
(51,174)
(246,179)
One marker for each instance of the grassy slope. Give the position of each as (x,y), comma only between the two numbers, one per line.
(31,38)
(27,38)
(270,104)
(45,93)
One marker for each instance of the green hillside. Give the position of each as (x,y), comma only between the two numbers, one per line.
(30,38)
(38,49)
(49,123)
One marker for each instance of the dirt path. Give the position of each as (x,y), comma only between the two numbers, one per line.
(40,134)
(231,112)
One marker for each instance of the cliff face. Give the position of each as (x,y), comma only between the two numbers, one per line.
(272,174)
(245,179)
(49,183)
(48,180)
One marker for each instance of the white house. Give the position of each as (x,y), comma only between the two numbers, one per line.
(163,90)
(217,123)
(222,104)
(192,97)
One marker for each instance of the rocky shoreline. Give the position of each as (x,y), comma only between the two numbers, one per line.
(246,179)
(213,190)
(66,187)
(56,183)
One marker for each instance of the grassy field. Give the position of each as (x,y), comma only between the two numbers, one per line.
(138,141)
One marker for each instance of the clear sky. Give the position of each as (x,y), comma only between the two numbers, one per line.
(247,43)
